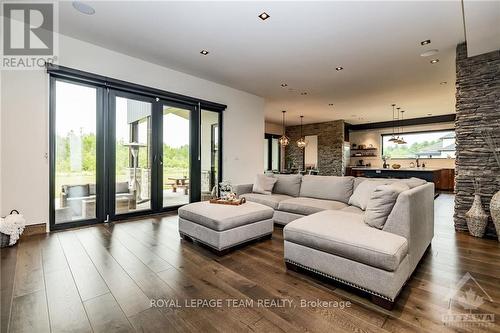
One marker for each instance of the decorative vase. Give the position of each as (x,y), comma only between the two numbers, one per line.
(476,217)
(495,212)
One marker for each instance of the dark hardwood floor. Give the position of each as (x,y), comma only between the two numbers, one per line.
(102,279)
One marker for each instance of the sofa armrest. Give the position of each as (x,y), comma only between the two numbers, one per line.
(242,189)
(413,218)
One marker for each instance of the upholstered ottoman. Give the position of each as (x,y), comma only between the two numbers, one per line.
(222,227)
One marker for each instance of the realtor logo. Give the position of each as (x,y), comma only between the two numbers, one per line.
(28,34)
(465,303)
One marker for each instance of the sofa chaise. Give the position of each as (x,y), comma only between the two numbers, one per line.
(326,230)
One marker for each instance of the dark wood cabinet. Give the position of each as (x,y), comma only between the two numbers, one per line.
(444,179)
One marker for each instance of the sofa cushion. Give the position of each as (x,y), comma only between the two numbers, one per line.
(364,191)
(353,209)
(357,181)
(381,202)
(327,187)
(263,184)
(308,206)
(122,187)
(287,184)
(346,235)
(224,217)
(77,191)
(272,200)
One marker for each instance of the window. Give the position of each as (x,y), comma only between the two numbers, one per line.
(116,153)
(272,153)
(430,144)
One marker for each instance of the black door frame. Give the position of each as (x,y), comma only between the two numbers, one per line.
(194,175)
(269,137)
(110,147)
(104,86)
(101,100)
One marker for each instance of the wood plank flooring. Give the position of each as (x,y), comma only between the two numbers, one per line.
(103,278)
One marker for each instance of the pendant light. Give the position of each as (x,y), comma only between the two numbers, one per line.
(397,126)
(402,140)
(284,140)
(393,138)
(301,143)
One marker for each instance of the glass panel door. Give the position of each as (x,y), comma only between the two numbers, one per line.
(74,142)
(175,156)
(131,189)
(209,148)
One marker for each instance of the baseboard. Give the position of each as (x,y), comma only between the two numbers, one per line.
(34,229)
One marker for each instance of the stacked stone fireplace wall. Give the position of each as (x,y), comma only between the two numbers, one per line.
(330,146)
(477,107)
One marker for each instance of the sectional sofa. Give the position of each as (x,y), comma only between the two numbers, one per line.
(328,228)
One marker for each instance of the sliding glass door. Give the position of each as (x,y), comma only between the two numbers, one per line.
(209,152)
(115,154)
(175,155)
(75,158)
(131,150)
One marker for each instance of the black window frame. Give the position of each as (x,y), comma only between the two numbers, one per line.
(414,132)
(269,137)
(103,85)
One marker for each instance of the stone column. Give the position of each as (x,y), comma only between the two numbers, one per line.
(330,146)
(477,107)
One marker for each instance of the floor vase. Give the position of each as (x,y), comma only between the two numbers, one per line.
(476,217)
(495,212)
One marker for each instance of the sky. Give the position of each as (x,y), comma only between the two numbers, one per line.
(76,110)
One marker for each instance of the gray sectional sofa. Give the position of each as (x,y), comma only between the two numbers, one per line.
(326,230)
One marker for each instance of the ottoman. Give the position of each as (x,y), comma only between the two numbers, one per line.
(222,227)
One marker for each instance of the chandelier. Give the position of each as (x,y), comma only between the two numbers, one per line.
(284,140)
(301,143)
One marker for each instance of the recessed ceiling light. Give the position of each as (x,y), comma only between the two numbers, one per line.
(303,93)
(425,42)
(83,8)
(204,52)
(429,53)
(339,68)
(429,114)
(443,83)
(264,16)
(283,85)
(434,61)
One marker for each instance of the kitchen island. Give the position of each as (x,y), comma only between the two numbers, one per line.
(444,179)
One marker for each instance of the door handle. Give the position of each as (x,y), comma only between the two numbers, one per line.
(160,160)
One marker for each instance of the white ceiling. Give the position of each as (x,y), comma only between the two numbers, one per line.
(377,43)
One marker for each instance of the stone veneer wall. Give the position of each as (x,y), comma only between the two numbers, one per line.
(477,106)
(330,145)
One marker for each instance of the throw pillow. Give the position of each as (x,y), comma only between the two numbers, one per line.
(363,192)
(287,184)
(381,203)
(263,184)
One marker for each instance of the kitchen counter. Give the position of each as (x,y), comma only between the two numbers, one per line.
(442,177)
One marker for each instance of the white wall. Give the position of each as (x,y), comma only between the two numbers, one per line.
(272,128)
(373,137)
(24,121)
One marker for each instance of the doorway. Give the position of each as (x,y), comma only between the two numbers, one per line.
(116,154)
